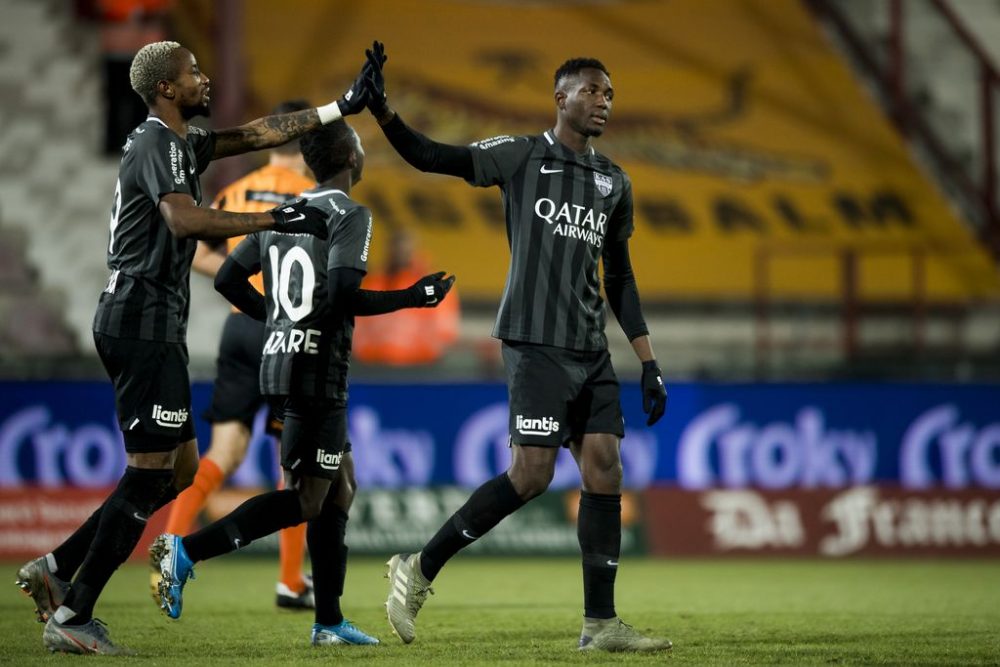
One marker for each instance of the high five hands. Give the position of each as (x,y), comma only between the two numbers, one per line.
(374,79)
(357,96)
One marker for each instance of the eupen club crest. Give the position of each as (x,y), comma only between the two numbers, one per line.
(603,183)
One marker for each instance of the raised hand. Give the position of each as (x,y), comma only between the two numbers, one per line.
(356,97)
(375,79)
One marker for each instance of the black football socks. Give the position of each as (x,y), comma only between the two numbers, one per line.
(486,507)
(257,517)
(70,554)
(328,554)
(122,519)
(599,529)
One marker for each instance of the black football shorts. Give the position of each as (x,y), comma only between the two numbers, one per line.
(152,391)
(314,437)
(558,395)
(236,391)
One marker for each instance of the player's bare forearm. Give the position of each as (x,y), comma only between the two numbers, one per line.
(212,224)
(188,220)
(266,132)
(643,348)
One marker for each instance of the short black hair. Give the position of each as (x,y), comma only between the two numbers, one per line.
(290,106)
(574,65)
(327,149)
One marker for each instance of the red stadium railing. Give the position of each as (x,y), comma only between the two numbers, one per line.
(855,302)
(977,193)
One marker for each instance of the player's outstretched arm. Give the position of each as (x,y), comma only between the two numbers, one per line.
(271,131)
(419,151)
(233,282)
(266,132)
(345,293)
(188,220)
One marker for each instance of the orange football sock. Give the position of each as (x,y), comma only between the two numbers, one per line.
(292,543)
(187,505)
(292,550)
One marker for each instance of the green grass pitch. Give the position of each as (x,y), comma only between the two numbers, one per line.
(521,611)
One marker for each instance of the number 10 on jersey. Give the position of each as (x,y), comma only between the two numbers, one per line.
(282,285)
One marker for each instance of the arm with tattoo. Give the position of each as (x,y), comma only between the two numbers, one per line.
(266,132)
(272,131)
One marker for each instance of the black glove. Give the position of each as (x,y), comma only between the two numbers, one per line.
(430,290)
(356,97)
(654,394)
(374,79)
(297,217)
(376,54)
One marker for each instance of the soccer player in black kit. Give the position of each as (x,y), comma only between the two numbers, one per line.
(312,293)
(141,321)
(567,208)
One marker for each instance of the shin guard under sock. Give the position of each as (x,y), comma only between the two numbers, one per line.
(122,520)
(255,518)
(325,535)
(486,507)
(70,554)
(599,529)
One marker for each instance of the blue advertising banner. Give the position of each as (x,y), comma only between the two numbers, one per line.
(767,436)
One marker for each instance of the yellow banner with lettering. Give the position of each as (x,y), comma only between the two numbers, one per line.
(758,160)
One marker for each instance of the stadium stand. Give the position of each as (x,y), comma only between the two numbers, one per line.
(767,179)
(940,71)
(55,187)
(30,325)
(782,223)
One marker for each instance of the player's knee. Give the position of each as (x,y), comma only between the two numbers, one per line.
(184,474)
(227,458)
(183,479)
(230,441)
(310,509)
(530,482)
(606,478)
(311,503)
(344,496)
(133,502)
(348,486)
(612,475)
(536,487)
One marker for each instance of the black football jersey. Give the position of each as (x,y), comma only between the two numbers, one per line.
(148,295)
(307,349)
(559,208)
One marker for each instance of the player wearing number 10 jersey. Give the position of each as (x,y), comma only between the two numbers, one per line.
(312,293)
(236,397)
(141,321)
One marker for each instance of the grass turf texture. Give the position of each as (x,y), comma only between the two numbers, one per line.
(527,611)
